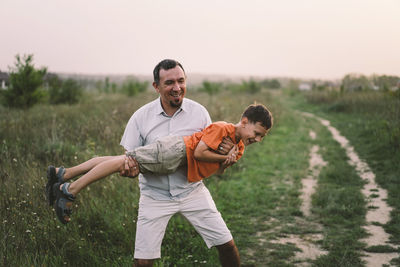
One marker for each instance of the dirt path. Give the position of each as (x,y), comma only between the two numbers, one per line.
(376,196)
(307,243)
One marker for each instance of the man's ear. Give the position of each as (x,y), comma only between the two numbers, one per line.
(155,85)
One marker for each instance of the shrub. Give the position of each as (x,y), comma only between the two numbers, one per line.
(132,87)
(211,88)
(64,92)
(25,82)
(251,86)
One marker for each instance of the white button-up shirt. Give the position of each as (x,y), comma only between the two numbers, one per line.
(149,123)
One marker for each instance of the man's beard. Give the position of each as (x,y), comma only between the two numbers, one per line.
(176,104)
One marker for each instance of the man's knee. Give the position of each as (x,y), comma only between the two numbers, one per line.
(143,263)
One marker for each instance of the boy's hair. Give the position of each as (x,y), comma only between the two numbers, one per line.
(165,64)
(259,113)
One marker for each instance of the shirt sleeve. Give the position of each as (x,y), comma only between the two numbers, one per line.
(213,135)
(131,137)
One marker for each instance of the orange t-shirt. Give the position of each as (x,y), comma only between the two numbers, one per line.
(212,136)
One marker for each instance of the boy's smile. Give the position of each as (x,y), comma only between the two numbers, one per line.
(251,132)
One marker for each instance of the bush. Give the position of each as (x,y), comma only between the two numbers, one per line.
(25,82)
(210,88)
(271,84)
(132,87)
(251,86)
(64,92)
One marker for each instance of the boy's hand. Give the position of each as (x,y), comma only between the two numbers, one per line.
(225,146)
(131,168)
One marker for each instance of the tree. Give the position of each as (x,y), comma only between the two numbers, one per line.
(251,86)
(271,84)
(132,86)
(64,92)
(25,82)
(356,82)
(210,88)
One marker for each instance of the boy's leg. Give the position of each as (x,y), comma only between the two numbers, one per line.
(100,170)
(83,167)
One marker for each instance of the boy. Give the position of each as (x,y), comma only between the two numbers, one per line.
(198,151)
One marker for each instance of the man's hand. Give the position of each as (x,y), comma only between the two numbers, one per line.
(225,146)
(232,154)
(131,167)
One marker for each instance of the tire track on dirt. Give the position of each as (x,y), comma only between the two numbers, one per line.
(376,196)
(307,242)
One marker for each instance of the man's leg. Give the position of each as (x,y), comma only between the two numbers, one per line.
(228,254)
(83,167)
(200,210)
(143,263)
(153,217)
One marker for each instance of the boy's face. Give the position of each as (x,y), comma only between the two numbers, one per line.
(252,132)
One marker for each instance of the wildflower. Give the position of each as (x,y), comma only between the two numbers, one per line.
(14,159)
(75,157)
(27,231)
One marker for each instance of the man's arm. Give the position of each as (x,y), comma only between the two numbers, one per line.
(225,146)
(232,155)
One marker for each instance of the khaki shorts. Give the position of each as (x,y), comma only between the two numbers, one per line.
(198,208)
(163,157)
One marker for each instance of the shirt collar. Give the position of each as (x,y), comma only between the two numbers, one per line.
(159,109)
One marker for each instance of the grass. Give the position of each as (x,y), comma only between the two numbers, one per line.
(370,121)
(258,197)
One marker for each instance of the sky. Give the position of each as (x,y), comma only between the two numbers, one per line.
(321,39)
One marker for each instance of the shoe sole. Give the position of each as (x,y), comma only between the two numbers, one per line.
(51,180)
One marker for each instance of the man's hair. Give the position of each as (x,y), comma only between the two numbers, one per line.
(165,64)
(259,113)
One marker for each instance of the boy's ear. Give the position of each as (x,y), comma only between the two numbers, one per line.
(244,121)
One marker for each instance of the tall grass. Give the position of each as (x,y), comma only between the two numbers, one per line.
(258,197)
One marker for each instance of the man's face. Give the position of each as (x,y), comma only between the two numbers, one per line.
(172,87)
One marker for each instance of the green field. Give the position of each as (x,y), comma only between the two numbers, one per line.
(259,197)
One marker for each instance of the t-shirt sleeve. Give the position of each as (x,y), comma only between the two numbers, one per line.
(132,138)
(213,135)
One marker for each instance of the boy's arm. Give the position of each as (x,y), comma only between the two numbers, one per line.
(205,153)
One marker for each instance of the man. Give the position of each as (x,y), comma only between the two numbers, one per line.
(161,196)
